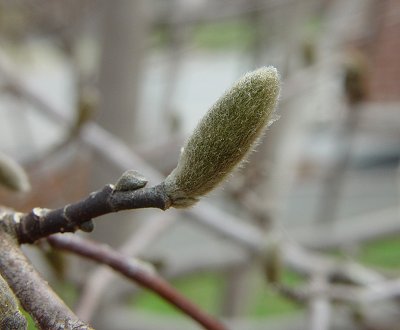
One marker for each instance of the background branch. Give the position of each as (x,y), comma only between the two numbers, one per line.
(319,305)
(120,263)
(98,280)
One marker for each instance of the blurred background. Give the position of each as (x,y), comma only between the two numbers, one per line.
(305,236)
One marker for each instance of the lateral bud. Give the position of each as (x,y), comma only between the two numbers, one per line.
(130,180)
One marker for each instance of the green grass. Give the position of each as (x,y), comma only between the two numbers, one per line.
(223,35)
(382,254)
(267,302)
(205,289)
(236,34)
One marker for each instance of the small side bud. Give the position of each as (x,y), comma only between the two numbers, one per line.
(12,175)
(308,51)
(355,78)
(86,108)
(224,136)
(272,260)
(130,180)
(87,226)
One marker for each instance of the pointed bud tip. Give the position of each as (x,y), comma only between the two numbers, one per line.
(267,76)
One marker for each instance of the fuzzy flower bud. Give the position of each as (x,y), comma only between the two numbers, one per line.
(224,136)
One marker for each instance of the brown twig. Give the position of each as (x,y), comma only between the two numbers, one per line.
(40,223)
(35,295)
(120,263)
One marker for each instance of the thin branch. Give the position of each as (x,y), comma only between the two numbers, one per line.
(35,295)
(40,223)
(124,265)
(320,308)
(98,280)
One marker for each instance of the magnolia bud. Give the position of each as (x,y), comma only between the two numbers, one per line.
(224,136)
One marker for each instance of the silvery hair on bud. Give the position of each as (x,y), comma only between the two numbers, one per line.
(224,136)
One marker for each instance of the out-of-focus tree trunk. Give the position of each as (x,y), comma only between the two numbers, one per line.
(124,27)
(124,42)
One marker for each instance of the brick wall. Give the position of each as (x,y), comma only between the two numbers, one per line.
(383,49)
